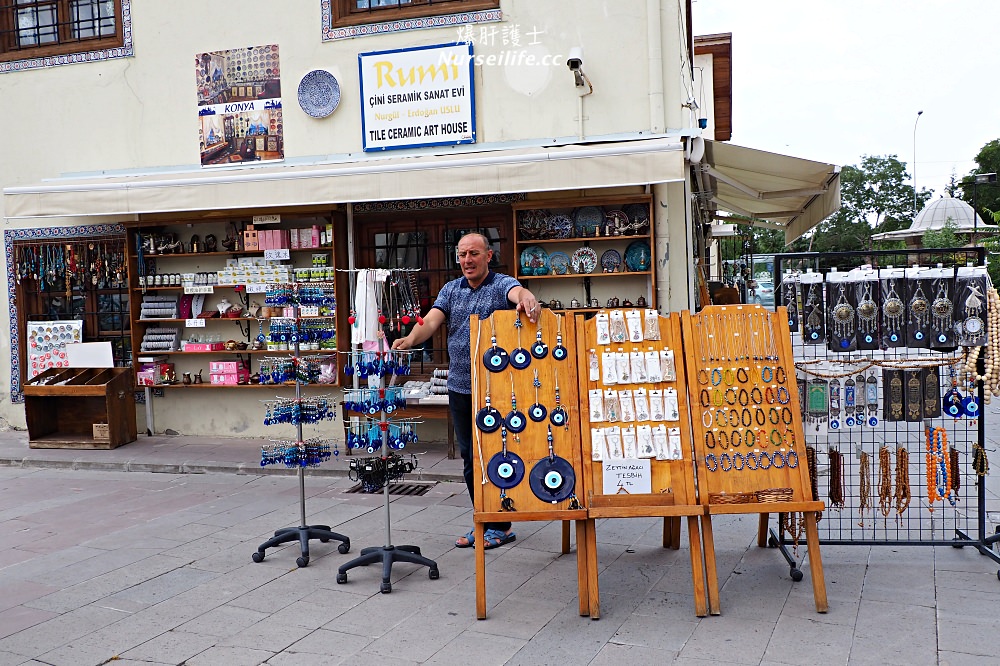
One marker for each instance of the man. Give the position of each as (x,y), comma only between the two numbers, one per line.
(481,292)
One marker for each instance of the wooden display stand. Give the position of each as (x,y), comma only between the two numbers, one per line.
(531,446)
(747,427)
(672,493)
(66,407)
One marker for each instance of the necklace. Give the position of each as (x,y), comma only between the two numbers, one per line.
(895,394)
(892,312)
(515,420)
(814,320)
(843,318)
(913,395)
(919,311)
(488,419)
(559,353)
(867,312)
(884,481)
(941,308)
(539,349)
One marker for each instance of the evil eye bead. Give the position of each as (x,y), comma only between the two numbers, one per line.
(918,335)
(505,470)
(559,353)
(553,480)
(537,413)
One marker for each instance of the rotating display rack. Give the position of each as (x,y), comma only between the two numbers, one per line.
(299,453)
(748,439)
(526,433)
(371,296)
(636,428)
(894,365)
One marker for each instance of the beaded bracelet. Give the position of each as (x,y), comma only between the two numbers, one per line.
(756,395)
(774,416)
(783,395)
(763,457)
(780,375)
(716,382)
(761,419)
(734,418)
(721,418)
(746,418)
(706,418)
(710,439)
(786,415)
(793,455)
(736,439)
(711,462)
(778,455)
(738,458)
(766,374)
(733,400)
(723,439)
(723,460)
(751,458)
(729,377)
(776,438)
(742,376)
(705,398)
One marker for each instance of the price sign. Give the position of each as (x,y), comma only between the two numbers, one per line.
(194,323)
(627,475)
(276,254)
(257,288)
(199,289)
(266,219)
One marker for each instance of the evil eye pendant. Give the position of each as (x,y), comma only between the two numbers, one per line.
(537,412)
(488,419)
(970,406)
(520,358)
(496,359)
(560,353)
(515,421)
(539,349)
(558,417)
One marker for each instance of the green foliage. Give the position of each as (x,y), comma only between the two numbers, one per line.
(983,195)
(874,197)
(943,237)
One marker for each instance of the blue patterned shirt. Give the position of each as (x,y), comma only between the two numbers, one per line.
(457,300)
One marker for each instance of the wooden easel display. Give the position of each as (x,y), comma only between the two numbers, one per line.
(747,427)
(543,474)
(639,400)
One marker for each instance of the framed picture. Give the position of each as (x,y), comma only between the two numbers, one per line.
(272,143)
(260,144)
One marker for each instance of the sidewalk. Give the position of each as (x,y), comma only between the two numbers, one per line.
(102,560)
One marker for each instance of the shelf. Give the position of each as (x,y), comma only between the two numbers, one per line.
(227,253)
(583,275)
(585,239)
(205,385)
(154,352)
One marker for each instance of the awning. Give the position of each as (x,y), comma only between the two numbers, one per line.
(782,192)
(540,169)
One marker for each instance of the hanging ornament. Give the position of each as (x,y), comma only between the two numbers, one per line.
(919,312)
(519,358)
(537,411)
(867,312)
(843,318)
(488,418)
(495,358)
(941,310)
(892,312)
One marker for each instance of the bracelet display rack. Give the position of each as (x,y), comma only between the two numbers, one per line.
(635,429)
(378,401)
(300,453)
(748,436)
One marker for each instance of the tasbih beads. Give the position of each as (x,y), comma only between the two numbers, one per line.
(836,494)
(864,488)
(938,468)
(884,481)
(980,463)
(991,362)
(953,472)
(813,471)
(901,495)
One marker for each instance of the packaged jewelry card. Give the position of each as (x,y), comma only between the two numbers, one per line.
(638,362)
(813,311)
(942,333)
(603,328)
(623,367)
(593,365)
(596,405)
(971,285)
(919,293)
(633,323)
(841,324)
(609,368)
(667,366)
(613,436)
(619,333)
(598,444)
(656,405)
(867,300)
(660,442)
(641,404)
(629,444)
(671,411)
(651,328)
(674,444)
(893,316)
(612,410)
(789,292)
(644,434)
(654,373)
(626,405)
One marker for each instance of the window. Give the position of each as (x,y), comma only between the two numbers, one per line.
(352,12)
(34,28)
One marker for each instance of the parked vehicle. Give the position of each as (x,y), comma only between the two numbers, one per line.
(764,293)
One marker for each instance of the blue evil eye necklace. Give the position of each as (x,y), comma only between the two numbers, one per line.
(537,412)
(519,358)
(496,358)
(488,418)
(515,420)
(559,353)
(539,349)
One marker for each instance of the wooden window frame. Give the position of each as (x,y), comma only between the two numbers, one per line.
(9,50)
(345,12)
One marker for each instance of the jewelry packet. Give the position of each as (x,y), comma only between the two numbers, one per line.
(971,286)
(629,443)
(603,328)
(656,404)
(619,333)
(652,325)
(598,445)
(633,322)
(641,405)
(674,442)
(867,297)
(612,411)
(842,327)
(624,371)
(609,368)
(660,442)
(627,406)
(667,366)
(644,434)
(638,363)
(654,371)
(594,365)
(919,294)
(613,436)
(813,313)
(596,405)
(670,407)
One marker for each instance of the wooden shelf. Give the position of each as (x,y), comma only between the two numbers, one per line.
(583,275)
(238,351)
(229,253)
(205,385)
(584,239)
(174,321)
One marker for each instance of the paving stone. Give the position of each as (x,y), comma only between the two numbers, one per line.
(171,647)
(45,636)
(729,638)
(614,654)
(270,634)
(652,632)
(230,656)
(962,659)
(824,643)
(482,649)
(973,638)
(897,633)
(223,621)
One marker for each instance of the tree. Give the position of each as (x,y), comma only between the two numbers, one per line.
(945,237)
(983,196)
(874,197)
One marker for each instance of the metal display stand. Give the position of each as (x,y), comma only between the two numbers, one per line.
(858,512)
(387,554)
(304,533)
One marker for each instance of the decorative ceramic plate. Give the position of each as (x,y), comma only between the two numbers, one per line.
(610,261)
(559,226)
(639,214)
(637,256)
(532,223)
(319,93)
(534,261)
(584,260)
(587,220)
(559,262)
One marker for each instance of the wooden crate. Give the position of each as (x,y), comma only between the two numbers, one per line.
(62,406)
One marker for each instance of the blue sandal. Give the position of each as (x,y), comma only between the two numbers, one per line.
(492,538)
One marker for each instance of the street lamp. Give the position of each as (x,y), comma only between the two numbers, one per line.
(979,179)
(919,113)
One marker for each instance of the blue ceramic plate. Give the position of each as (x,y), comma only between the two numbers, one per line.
(559,262)
(560,226)
(532,223)
(587,220)
(534,261)
(319,93)
(610,261)
(638,257)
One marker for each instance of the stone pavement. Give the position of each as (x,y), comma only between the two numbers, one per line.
(127,555)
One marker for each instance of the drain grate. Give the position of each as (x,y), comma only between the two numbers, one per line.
(407,489)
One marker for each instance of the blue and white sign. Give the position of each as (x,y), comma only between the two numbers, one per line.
(419,96)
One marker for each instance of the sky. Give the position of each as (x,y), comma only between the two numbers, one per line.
(833,81)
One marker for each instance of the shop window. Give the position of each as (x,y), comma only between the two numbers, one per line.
(353,12)
(37,28)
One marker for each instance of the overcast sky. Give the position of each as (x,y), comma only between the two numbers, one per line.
(833,81)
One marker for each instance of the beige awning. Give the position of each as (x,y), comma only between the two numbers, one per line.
(540,169)
(782,192)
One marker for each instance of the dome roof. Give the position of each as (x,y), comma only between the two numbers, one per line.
(936,213)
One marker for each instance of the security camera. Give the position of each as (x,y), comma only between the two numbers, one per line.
(575,59)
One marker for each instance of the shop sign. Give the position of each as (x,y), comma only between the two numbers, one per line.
(415,97)
(627,475)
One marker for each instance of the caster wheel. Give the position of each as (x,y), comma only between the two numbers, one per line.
(341,578)
(772,542)
(324,539)
(344,547)
(957,544)
(796,575)
(257,557)
(386,587)
(433,574)
(303,562)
